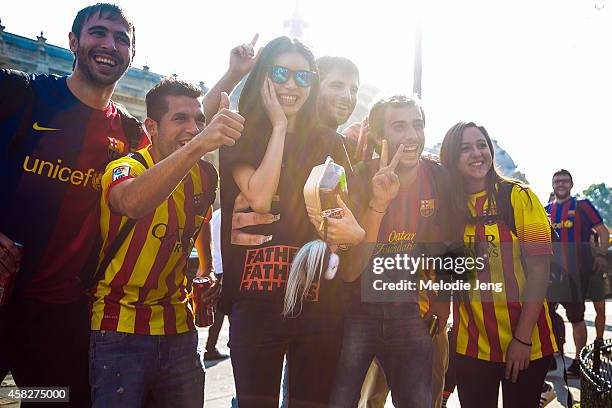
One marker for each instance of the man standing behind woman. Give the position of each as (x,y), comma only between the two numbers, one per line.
(500,336)
(266,172)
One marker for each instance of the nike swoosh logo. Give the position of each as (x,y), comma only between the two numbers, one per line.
(36,126)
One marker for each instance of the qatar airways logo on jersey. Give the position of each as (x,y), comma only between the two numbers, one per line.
(57,171)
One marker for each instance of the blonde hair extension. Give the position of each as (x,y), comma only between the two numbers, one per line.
(302,274)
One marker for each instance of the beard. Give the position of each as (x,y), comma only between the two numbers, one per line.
(328,119)
(85,64)
(328,116)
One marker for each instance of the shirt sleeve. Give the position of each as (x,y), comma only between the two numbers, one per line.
(532,225)
(15,92)
(117,172)
(590,214)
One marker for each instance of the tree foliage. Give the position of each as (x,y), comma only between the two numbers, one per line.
(601,197)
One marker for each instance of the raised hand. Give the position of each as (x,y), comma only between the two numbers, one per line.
(352,131)
(223,130)
(271,104)
(385,183)
(362,140)
(243,58)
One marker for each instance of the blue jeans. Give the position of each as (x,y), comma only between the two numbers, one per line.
(128,369)
(403,347)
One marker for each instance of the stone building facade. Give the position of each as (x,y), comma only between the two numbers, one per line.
(37,56)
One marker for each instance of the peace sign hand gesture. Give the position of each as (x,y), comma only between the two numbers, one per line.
(385,183)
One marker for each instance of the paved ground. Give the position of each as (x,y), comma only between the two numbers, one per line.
(220,384)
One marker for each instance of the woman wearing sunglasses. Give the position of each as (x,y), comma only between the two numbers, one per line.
(502,326)
(265,172)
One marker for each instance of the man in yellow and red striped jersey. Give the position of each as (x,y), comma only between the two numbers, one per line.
(143,339)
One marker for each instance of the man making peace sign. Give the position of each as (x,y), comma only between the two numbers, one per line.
(404,213)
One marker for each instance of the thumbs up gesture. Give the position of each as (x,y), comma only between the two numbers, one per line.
(224,128)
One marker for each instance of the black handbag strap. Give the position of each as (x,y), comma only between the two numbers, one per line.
(121,236)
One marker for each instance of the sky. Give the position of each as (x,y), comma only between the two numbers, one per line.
(536,74)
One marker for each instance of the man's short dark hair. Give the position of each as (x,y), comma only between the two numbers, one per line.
(104,10)
(376,118)
(157,105)
(563,172)
(327,63)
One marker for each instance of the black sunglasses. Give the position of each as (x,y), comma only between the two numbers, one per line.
(281,75)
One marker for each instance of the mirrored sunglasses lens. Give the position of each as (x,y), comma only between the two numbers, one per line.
(280,75)
(303,78)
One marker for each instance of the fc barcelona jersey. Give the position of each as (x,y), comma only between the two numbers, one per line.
(54,150)
(485,319)
(572,221)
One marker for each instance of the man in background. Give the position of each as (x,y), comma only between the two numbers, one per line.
(575,270)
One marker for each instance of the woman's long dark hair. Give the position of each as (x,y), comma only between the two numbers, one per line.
(449,157)
(257,126)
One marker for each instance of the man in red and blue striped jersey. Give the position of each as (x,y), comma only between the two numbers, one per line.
(57,134)
(575,221)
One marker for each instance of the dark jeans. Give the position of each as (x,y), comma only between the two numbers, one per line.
(126,368)
(45,345)
(398,337)
(259,339)
(478,383)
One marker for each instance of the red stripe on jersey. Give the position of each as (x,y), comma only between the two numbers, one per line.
(589,211)
(113,229)
(490,323)
(110,319)
(564,236)
(169,314)
(472,329)
(544,331)
(143,315)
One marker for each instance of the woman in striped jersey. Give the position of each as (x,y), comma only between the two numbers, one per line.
(502,326)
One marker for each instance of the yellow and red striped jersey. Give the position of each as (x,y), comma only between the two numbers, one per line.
(142,290)
(484,320)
